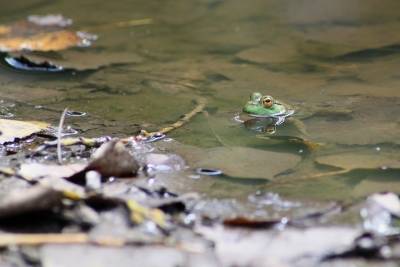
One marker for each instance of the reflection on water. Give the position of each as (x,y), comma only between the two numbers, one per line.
(322,57)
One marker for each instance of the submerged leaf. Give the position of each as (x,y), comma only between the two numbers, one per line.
(13,129)
(241,162)
(354,160)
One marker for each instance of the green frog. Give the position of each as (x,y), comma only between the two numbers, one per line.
(263,113)
(266,106)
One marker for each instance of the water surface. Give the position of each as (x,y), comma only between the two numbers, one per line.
(315,55)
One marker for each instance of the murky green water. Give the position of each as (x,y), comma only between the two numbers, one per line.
(321,56)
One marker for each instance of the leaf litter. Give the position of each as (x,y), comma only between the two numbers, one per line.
(154,216)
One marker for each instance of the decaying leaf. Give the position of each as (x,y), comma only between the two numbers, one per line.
(41,34)
(113,159)
(36,198)
(51,41)
(36,171)
(11,130)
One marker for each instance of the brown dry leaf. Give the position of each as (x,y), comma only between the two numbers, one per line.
(113,159)
(13,129)
(37,36)
(354,160)
(52,41)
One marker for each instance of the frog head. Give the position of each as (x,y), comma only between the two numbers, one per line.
(263,106)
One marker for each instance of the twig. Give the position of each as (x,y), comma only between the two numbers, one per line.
(40,239)
(119,24)
(59,132)
(201,103)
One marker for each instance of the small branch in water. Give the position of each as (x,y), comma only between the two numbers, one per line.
(201,103)
(59,133)
(119,24)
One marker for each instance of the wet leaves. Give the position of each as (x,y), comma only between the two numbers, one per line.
(12,130)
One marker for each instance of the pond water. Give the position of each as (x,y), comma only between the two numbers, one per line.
(337,61)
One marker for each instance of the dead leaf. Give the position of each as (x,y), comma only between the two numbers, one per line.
(113,159)
(51,41)
(36,171)
(41,34)
(11,130)
(36,198)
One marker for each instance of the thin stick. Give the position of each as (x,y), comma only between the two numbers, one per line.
(59,132)
(39,239)
(126,23)
(201,103)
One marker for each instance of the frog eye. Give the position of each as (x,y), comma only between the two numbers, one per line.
(267,101)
